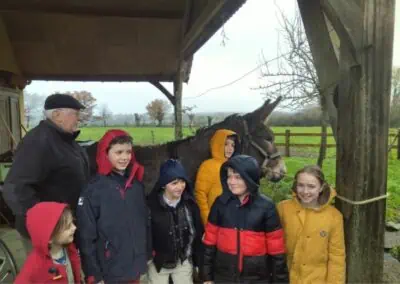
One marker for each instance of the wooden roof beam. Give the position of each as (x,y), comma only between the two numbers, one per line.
(6,6)
(169,96)
(187,17)
(101,77)
(209,12)
(323,54)
(346,18)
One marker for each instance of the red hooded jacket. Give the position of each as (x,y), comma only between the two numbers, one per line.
(39,267)
(113,220)
(104,166)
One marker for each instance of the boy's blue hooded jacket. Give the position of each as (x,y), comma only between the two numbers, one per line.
(113,221)
(165,238)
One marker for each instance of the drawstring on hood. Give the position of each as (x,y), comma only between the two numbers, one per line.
(247,167)
(104,166)
(217,143)
(41,220)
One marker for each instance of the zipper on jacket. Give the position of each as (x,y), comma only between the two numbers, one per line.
(239,254)
(107,252)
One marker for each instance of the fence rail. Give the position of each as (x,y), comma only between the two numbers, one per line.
(287,144)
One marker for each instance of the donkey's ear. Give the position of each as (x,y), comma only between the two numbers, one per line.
(261,114)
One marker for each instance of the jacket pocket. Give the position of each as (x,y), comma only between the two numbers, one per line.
(225,265)
(255,267)
(109,258)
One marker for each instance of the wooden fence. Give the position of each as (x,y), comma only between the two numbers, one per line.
(289,134)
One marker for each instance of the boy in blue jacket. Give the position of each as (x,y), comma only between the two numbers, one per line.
(112,215)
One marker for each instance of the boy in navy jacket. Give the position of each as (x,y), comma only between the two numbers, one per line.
(112,215)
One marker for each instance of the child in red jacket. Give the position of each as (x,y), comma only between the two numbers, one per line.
(54,258)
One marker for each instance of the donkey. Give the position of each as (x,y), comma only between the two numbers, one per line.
(256,140)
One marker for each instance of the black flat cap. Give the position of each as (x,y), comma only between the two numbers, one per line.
(62,101)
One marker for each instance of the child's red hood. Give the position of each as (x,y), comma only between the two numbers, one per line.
(41,220)
(104,166)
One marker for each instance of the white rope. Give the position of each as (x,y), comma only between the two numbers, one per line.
(362,202)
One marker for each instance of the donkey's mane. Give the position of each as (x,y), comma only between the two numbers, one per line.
(227,120)
(203,131)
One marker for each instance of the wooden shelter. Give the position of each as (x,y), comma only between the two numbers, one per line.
(155,40)
(108,40)
(352,46)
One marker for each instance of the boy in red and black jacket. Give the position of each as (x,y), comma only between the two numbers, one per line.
(243,237)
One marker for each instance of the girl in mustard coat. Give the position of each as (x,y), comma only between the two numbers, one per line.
(313,230)
(223,145)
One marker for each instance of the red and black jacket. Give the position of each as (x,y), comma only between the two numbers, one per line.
(244,240)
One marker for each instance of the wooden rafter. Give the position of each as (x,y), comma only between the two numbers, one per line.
(201,22)
(346,18)
(12,6)
(100,77)
(323,54)
(169,96)
(187,17)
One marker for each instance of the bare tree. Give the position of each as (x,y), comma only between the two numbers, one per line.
(188,110)
(224,37)
(209,120)
(104,114)
(138,119)
(34,104)
(293,75)
(395,98)
(157,109)
(87,99)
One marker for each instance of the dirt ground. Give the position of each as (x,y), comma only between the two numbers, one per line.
(391,270)
(12,239)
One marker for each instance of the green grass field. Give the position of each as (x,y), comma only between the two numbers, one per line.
(300,157)
(141,135)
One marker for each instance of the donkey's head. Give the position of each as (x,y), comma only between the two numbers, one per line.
(258,141)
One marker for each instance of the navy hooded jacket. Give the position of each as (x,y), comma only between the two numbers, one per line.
(113,220)
(165,238)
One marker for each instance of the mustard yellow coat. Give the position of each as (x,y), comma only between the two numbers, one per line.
(314,242)
(208,185)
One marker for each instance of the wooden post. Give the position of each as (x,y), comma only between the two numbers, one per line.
(322,146)
(178,104)
(287,143)
(363,122)
(398,144)
(323,54)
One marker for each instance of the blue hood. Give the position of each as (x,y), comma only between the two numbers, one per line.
(171,170)
(247,167)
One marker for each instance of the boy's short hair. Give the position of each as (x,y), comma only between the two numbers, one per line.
(232,137)
(122,139)
(62,222)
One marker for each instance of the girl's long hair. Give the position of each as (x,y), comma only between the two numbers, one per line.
(316,172)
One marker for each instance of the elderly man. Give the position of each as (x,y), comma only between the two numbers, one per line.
(48,165)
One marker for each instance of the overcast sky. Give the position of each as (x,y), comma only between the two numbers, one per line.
(252,30)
